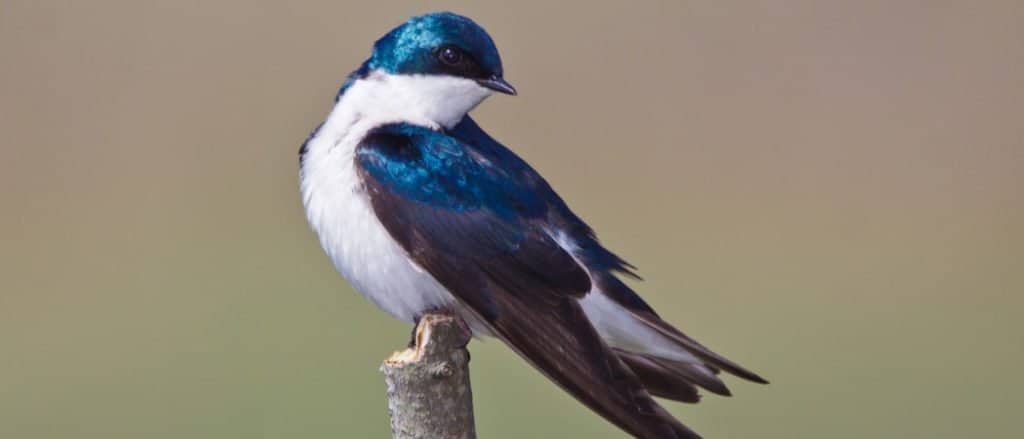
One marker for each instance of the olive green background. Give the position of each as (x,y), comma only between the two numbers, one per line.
(831,193)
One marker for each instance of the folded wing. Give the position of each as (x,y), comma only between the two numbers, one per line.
(484,237)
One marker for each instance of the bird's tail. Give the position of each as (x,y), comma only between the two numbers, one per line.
(712,362)
(668,363)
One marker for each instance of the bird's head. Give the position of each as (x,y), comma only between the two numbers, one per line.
(442,44)
(438,65)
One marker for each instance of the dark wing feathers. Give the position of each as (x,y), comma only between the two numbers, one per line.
(441,202)
(559,341)
(486,243)
(597,256)
(659,380)
(477,217)
(711,358)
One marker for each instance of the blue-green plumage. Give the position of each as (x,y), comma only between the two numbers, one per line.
(435,168)
(465,169)
(409,48)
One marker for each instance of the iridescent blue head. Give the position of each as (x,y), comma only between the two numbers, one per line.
(441,43)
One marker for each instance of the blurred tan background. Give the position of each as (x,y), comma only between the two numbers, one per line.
(829,193)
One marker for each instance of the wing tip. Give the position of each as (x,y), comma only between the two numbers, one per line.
(738,371)
(711,358)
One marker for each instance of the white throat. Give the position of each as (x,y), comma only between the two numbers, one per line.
(428,100)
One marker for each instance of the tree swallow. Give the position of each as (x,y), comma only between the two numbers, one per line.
(421,210)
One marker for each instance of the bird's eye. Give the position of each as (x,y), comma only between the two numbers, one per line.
(450,55)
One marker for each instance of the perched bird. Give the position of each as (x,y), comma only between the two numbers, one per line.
(421,210)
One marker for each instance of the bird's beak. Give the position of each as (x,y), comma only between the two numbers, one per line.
(498,84)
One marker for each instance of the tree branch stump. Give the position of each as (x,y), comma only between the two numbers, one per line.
(429,395)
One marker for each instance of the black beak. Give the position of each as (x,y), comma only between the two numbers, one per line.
(498,84)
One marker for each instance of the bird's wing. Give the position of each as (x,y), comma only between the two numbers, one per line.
(603,266)
(483,236)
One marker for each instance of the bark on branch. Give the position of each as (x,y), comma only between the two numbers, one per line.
(428,385)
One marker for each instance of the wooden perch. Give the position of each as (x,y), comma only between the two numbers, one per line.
(428,385)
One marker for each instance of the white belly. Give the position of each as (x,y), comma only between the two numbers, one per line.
(362,250)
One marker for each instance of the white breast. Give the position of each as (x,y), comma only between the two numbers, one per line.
(338,208)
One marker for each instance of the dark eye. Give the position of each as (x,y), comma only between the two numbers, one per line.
(450,55)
